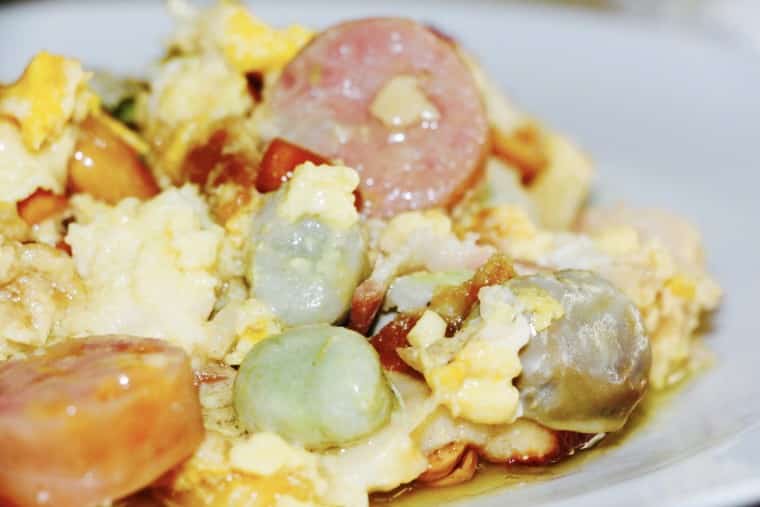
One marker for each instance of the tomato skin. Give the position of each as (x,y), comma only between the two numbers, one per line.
(41,205)
(94,419)
(106,167)
(208,164)
(392,337)
(279,161)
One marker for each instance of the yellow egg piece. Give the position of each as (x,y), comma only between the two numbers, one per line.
(544,308)
(46,97)
(249,44)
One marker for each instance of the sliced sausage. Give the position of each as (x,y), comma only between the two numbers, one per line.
(94,419)
(327,101)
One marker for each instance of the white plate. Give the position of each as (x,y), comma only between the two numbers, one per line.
(671,118)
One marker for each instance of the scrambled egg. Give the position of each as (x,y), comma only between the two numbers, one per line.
(324,191)
(670,287)
(401,227)
(553,198)
(152,269)
(426,239)
(13,227)
(562,185)
(247,43)
(541,305)
(148,267)
(51,92)
(237,327)
(263,470)
(250,44)
(37,285)
(197,88)
(472,373)
(382,462)
(188,98)
(258,471)
(23,171)
(421,240)
(36,117)
(410,293)
(202,86)
(164,268)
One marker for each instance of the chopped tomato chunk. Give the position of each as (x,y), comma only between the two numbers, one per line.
(63,246)
(106,167)
(279,161)
(390,339)
(365,303)
(454,303)
(208,164)
(42,204)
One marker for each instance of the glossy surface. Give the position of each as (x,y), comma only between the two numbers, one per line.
(41,205)
(645,101)
(94,419)
(320,102)
(278,162)
(306,270)
(320,386)
(106,167)
(509,478)
(588,370)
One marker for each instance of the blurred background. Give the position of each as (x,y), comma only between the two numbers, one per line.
(735,19)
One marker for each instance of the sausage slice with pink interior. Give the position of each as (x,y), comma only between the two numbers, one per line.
(94,419)
(391,99)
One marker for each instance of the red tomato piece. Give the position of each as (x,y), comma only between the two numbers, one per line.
(390,339)
(42,204)
(279,161)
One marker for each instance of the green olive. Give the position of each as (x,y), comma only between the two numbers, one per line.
(306,271)
(320,386)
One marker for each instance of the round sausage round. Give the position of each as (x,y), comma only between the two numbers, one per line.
(94,419)
(389,98)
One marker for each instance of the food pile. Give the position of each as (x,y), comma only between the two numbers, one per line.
(292,268)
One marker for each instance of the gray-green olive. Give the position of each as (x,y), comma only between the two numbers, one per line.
(307,270)
(320,386)
(588,370)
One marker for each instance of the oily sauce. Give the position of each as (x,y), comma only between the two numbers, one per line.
(491,478)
